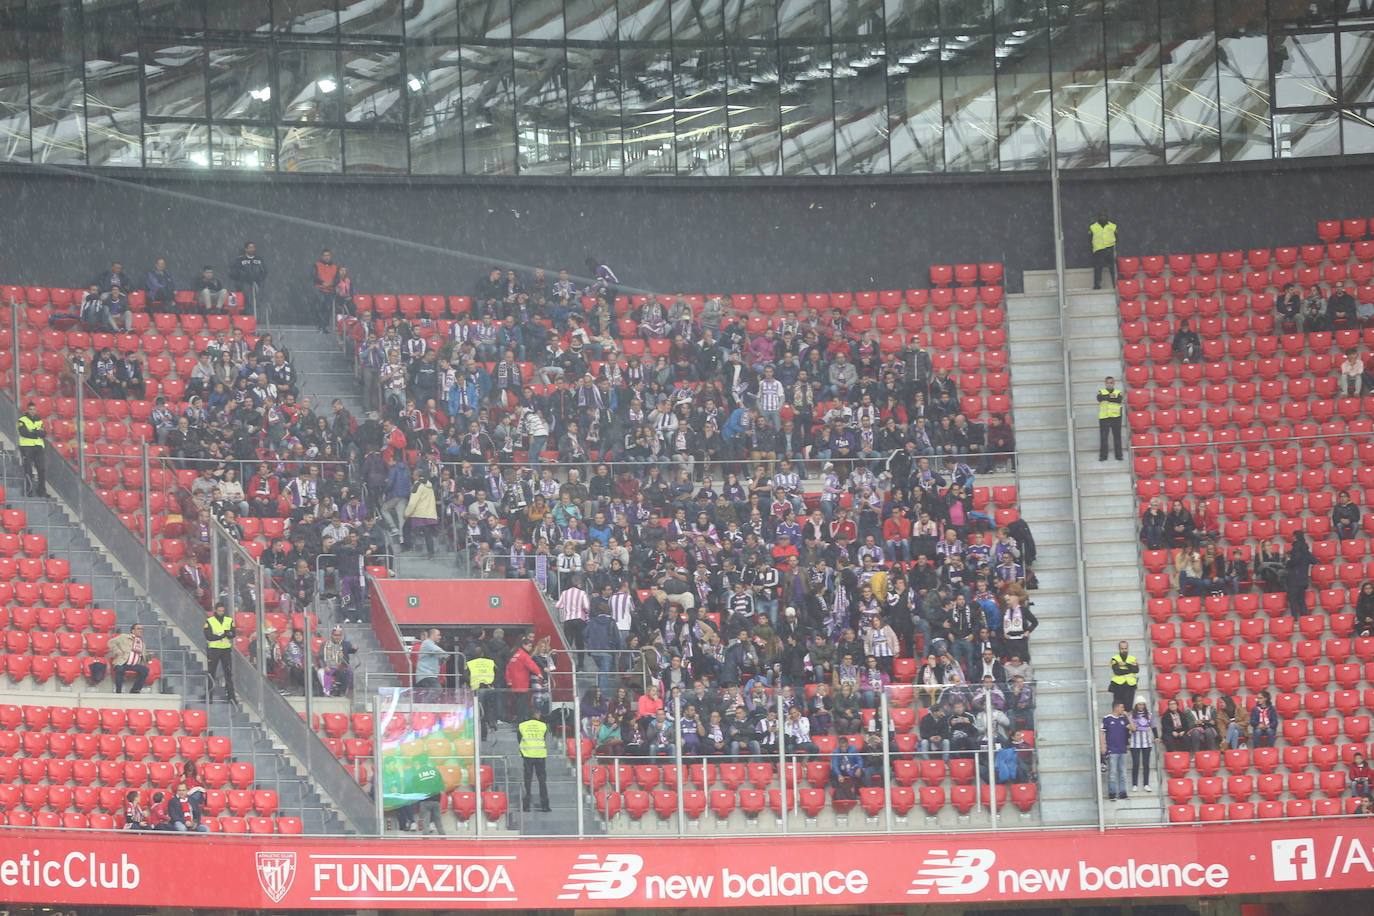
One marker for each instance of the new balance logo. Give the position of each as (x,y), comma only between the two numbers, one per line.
(1294,860)
(611,878)
(963,872)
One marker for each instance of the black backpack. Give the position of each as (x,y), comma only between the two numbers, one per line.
(1021,533)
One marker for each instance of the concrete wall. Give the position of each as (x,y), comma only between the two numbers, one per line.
(724,236)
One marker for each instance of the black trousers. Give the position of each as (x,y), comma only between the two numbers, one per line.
(1123,694)
(1109,426)
(220,658)
(1104,259)
(140,677)
(33,457)
(534,766)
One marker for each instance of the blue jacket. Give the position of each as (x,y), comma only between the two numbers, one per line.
(398,481)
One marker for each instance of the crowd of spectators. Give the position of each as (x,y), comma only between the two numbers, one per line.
(787,509)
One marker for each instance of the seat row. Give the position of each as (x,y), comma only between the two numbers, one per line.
(1263,760)
(1245,811)
(91,746)
(1284,257)
(39,303)
(100,820)
(1228,283)
(637,803)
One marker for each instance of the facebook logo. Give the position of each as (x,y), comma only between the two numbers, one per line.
(1294,860)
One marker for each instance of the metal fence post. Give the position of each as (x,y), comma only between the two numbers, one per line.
(146,464)
(577,747)
(377,796)
(477,776)
(992,757)
(677,759)
(887,760)
(79,365)
(783,797)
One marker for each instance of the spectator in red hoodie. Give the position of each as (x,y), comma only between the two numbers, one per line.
(521,671)
(897,536)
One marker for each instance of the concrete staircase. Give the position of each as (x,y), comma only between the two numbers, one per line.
(183,679)
(1069,712)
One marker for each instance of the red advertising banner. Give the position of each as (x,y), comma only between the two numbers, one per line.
(75,868)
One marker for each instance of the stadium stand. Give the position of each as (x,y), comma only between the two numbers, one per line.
(1243,437)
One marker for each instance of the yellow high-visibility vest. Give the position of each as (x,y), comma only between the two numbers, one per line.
(1127,679)
(532,733)
(219,629)
(1109,408)
(27,427)
(1103,236)
(481,672)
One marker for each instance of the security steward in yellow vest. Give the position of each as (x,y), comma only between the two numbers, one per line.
(481,675)
(219,647)
(1124,671)
(1104,248)
(1109,404)
(32,450)
(533,751)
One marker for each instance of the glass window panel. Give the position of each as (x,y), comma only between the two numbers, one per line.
(242,146)
(751,20)
(857,19)
(970,104)
(804,19)
(1135,108)
(375,151)
(1357,67)
(240,83)
(970,15)
(647,111)
(113,133)
(307,87)
(14,83)
(590,20)
(808,111)
(372,87)
(1304,70)
(240,16)
(1356,10)
(1243,77)
(370,17)
(161,15)
(174,80)
(1080,94)
(860,87)
(56,82)
(644,20)
(1191,131)
(304,17)
(1301,13)
(488,110)
(1312,133)
(538,19)
(541,111)
(431,20)
(435,111)
(911,18)
(176,146)
(752,112)
(698,20)
(594,110)
(1023,97)
(916,126)
(699,118)
(309,149)
(484,19)
(1357,129)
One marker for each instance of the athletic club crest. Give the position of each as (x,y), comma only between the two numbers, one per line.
(276,871)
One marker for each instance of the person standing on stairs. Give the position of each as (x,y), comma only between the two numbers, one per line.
(33,450)
(1125,674)
(1109,401)
(219,646)
(533,752)
(1104,248)
(324,278)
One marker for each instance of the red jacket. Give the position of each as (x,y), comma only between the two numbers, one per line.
(520,669)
